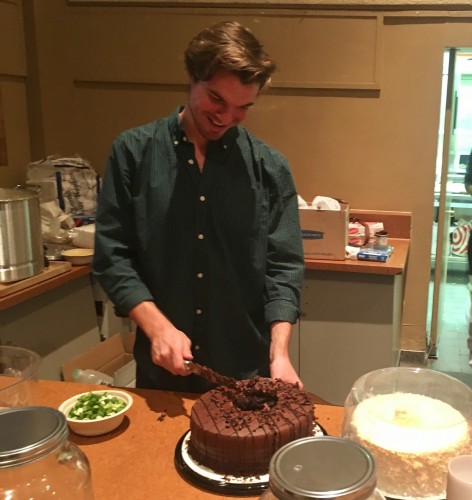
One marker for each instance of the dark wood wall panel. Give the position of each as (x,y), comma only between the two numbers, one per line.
(12,44)
(14,138)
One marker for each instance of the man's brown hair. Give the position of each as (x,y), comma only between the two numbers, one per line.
(229,46)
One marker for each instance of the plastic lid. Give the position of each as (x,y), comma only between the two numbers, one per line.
(322,467)
(29,433)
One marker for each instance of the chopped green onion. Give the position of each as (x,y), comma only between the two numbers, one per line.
(93,406)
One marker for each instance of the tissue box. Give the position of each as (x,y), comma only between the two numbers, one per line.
(325,232)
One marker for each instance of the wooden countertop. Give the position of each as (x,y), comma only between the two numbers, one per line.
(396,263)
(36,289)
(137,459)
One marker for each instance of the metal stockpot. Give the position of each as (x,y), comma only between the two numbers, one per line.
(21,247)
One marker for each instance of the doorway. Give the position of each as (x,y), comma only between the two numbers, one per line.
(450,293)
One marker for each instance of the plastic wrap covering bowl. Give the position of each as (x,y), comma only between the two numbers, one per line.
(413,421)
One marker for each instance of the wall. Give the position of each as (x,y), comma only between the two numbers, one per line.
(14,129)
(354,107)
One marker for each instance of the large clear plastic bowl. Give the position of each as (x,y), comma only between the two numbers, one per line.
(18,376)
(413,421)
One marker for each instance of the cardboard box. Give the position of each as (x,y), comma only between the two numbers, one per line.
(325,232)
(113,356)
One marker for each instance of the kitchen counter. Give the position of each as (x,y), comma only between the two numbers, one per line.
(137,459)
(32,291)
(395,264)
(55,318)
(352,314)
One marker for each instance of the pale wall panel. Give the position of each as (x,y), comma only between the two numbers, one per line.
(324,52)
(105,111)
(146,45)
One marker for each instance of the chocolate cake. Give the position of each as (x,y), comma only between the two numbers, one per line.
(236,429)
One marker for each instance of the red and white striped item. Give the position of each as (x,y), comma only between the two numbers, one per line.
(460,239)
(356,232)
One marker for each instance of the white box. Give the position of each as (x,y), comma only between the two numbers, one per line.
(325,232)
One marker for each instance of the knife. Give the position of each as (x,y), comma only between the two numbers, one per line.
(209,374)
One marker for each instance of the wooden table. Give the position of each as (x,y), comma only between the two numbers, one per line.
(137,460)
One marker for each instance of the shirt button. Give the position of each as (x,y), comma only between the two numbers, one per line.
(184,138)
(225,146)
(199,275)
(191,162)
(198,311)
(202,198)
(176,142)
(196,347)
(200,236)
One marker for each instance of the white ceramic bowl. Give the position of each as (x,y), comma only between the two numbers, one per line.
(99,426)
(78,256)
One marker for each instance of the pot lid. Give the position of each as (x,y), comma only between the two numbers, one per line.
(18,194)
(309,468)
(29,433)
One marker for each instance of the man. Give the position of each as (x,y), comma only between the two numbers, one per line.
(197,236)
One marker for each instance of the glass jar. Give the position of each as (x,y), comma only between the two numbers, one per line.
(322,467)
(19,370)
(413,421)
(36,459)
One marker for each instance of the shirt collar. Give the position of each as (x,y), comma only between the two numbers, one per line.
(179,136)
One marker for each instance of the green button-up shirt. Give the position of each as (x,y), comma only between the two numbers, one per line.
(219,251)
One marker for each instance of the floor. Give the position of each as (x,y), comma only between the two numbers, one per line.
(452,349)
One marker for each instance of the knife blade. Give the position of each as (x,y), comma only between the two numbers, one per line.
(209,374)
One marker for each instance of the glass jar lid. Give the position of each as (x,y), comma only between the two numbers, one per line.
(322,467)
(29,433)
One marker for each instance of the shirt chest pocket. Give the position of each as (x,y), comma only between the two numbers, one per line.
(241,213)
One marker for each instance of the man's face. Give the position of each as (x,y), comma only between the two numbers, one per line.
(217,104)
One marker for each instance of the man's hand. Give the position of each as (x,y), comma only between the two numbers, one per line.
(169,346)
(280,364)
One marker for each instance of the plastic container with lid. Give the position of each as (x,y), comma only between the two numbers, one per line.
(329,468)
(36,458)
(413,421)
